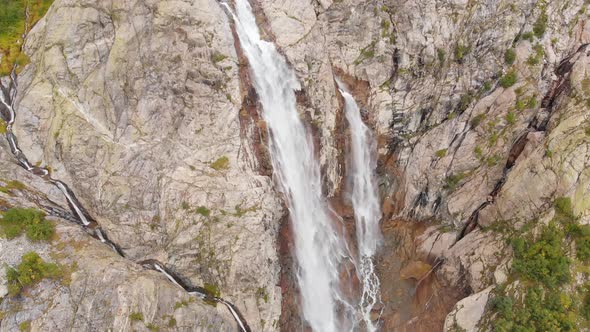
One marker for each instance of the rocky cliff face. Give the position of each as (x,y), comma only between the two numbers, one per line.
(145,110)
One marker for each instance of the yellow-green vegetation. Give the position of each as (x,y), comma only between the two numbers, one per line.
(29,272)
(477,120)
(12,28)
(262,294)
(222,163)
(509,56)
(172,322)
(535,59)
(540,25)
(509,79)
(152,327)
(10,185)
(441,153)
(15,221)
(136,316)
(510,118)
(2,127)
(25,326)
(544,300)
(205,212)
(461,51)
(452,181)
(366,53)
(441,54)
(217,57)
(212,290)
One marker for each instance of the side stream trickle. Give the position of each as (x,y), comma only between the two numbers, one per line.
(365,202)
(7,110)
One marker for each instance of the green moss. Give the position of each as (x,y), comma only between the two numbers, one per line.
(217,57)
(441,54)
(221,163)
(136,316)
(15,221)
(261,293)
(509,56)
(152,327)
(212,290)
(203,211)
(25,326)
(29,272)
(540,25)
(441,153)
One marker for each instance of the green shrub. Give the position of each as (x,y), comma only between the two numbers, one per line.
(544,260)
(540,25)
(217,57)
(477,120)
(510,118)
(15,221)
(509,56)
(464,102)
(453,180)
(30,271)
(172,322)
(509,79)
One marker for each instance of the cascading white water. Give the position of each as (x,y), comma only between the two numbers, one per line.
(319,249)
(365,202)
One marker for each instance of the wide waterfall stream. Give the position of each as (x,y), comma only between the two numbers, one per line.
(320,249)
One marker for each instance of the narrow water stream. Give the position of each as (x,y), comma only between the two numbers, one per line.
(365,202)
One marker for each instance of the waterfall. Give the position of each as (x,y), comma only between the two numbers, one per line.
(319,248)
(365,202)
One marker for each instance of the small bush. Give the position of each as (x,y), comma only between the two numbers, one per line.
(509,56)
(15,221)
(509,79)
(461,51)
(464,102)
(540,25)
(30,271)
(510,118)
(544,260)
(172,322)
